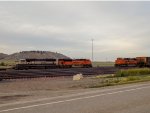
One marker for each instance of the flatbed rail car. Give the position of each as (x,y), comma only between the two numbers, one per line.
(136,62)
(52,63)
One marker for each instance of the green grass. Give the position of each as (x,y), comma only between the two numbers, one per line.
(7,63)
(123,77)
(133,72)
(119,80)
(99,64)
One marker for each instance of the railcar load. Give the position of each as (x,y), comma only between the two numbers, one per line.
(51,63)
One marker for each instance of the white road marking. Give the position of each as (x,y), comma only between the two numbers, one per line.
(71,95)
(69,100)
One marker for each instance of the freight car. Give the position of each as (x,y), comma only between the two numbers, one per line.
(51,63)
(143,61)
(136,62)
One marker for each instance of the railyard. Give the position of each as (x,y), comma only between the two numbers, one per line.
(34,73)
(23,89)
(74,57)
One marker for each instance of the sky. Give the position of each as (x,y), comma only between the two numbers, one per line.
(119,29)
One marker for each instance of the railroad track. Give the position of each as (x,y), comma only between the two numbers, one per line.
(19,74)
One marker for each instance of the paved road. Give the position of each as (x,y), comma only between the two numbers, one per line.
(121,99)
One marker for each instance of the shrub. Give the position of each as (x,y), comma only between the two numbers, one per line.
(2,64)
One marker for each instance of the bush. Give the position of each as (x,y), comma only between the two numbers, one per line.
(132,72)
(2,64)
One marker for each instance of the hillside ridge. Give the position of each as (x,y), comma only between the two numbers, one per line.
(34,54)
(2,55)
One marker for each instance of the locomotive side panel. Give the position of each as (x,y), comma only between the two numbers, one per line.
(120,62)
(82,63)
(64,63)
(36,64)
(52,63)
(138,61)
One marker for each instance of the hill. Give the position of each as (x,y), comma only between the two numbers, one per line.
(35,54)
(2,55)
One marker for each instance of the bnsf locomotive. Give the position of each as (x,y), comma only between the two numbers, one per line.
(52,63)
(137,62)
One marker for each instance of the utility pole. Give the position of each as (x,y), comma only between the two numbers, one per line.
(92,49)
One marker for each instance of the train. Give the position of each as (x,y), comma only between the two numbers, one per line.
(136,62)
(52,63)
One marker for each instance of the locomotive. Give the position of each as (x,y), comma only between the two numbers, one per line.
(52,63)
(136,62)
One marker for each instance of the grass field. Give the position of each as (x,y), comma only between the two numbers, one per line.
(133,72)
(111,81)
(7,63)
(99,64)
(123,77)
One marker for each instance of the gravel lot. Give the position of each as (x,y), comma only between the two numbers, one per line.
(26,89)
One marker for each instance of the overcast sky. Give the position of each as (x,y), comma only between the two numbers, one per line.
(119,29)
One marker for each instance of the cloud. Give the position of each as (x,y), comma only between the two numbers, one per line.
(118,28)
